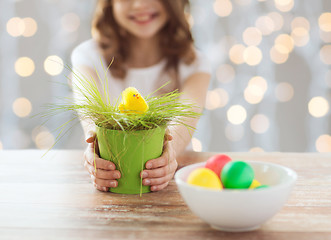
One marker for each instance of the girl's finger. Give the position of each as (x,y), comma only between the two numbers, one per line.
(90,136)
(162,171)
(157,181)
(103,174)
(94,146)
(156,173)
(94,160)
(104,183)
(157,162)
(102,189)
(169,137)
(159,187)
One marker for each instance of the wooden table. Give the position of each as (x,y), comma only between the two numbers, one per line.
(52,198)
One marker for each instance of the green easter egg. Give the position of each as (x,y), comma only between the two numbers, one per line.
(237,174)
(262,186)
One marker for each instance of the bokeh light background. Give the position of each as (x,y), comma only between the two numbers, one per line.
(271,80)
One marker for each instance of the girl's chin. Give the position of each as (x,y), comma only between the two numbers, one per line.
(144,35)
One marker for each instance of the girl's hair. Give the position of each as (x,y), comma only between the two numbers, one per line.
(176,39)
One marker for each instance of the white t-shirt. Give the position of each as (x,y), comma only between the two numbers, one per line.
(143,79)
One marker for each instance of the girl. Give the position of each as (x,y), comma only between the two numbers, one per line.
(151,43)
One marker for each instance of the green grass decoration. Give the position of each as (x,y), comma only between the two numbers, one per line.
(165,109)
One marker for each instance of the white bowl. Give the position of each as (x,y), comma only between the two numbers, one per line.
(239,210)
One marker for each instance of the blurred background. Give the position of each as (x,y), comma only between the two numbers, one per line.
(271,80)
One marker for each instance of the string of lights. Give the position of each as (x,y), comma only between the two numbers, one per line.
(270,89)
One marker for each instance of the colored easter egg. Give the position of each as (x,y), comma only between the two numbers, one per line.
(204,177)
(217,162)
(262,186)
(237,174)
(255,184)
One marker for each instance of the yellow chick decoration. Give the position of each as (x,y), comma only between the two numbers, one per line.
(132,102)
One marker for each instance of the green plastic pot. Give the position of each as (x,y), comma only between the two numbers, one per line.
(129,151)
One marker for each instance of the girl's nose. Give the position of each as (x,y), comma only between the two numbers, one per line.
(140,3)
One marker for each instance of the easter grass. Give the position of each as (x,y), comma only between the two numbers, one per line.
(95,105)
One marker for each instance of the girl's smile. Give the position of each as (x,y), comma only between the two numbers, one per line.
(141,18)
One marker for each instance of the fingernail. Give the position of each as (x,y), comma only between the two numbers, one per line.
(148,165)
(116,175)
(112,184)
(88,137)
(111,167)
(145,175)
(147,182)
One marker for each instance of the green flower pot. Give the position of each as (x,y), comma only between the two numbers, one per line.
(129,151)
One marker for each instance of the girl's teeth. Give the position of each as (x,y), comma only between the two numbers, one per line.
(143,18)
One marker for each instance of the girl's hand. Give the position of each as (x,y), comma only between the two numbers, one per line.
(103,173)
(161,170)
